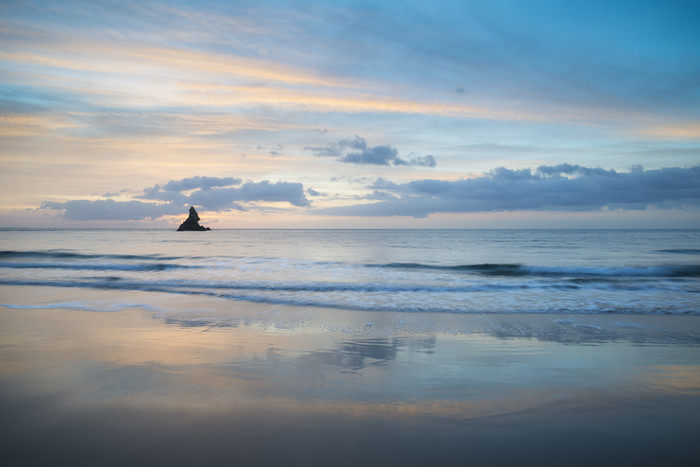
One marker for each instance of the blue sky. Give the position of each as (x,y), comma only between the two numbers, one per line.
(350,113)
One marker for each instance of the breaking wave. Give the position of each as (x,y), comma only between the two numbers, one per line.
(62,254)
(397,286)
(548,271)
(95,266)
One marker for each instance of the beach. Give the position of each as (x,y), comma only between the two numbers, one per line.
(182,380)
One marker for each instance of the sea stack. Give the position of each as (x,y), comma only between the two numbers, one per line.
(192,222)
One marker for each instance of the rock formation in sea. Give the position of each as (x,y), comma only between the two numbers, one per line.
(192,222)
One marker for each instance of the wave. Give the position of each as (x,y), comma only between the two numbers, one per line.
(300,296)
(507,269)
(400,286)
(682,251)
(66,259)
(96,266)
(63,254)
(115,282)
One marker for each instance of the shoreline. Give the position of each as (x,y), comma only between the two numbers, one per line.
(214,312)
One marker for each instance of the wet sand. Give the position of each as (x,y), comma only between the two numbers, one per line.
(94,377)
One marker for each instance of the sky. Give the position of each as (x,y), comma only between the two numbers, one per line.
(350,114)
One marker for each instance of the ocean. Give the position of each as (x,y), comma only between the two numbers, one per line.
(349,347)
(431,271)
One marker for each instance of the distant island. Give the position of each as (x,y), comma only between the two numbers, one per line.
(192,222)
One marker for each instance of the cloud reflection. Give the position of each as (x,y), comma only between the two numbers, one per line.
(122,388)
(358,354)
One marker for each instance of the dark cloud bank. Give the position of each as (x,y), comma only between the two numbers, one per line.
(209,193)
(222,194)
(109,209)
(356,151)
(563,187)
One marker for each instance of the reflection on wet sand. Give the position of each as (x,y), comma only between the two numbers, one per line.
(135,387)
(357,354)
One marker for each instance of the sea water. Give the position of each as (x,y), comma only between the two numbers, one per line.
(429,271)
(409,347)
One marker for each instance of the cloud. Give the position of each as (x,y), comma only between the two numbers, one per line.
(203,183)
(425,161)
(564,187)
(293,193)
(356,151)
(172,191)
(378,155)
(208,193)
(109,209)
(219,194)
(379,195)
